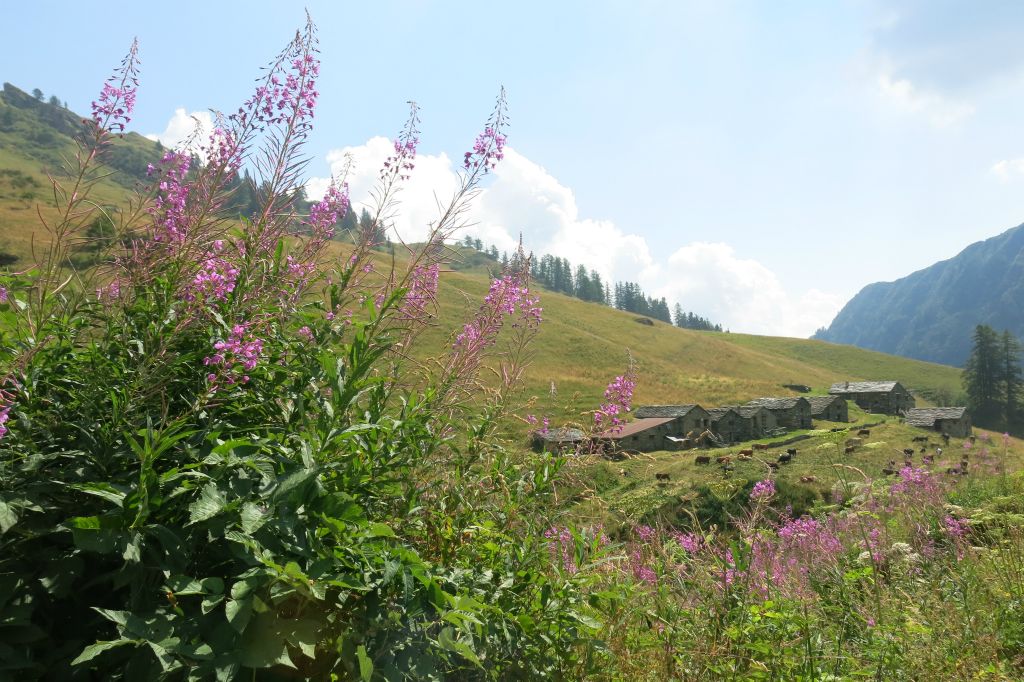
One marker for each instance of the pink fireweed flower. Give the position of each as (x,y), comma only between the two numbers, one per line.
(306,333)
(215,280)
(3,294)
(238,354)
(618,399)
(562,547)
(112,111)
(6,404)
(421,292)
(170,209)
(691,542)
(507,296)
(489,147)
(763,490)
(400,164)
(223,151)
(488,150)
(325,214)
(645,533)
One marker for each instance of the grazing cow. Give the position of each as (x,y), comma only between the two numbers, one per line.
(808,479)
(973,439)
(760,446)
(909,452)
(785,459)
(924,449)
(791,451)
(854,441)
(723,460)
(908,463)
(773,466)
(953,470)
(662,477)
(702,459)
(928,459)
(864,432)
(888,471)
(748,452)
(743,457)
(849,449)
(919,439)
(945,439)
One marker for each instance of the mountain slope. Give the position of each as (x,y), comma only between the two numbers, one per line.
(930,314)
(581,346)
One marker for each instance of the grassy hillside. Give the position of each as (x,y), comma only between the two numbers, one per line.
(581,346)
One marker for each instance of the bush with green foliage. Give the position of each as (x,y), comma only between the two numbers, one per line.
(217,460)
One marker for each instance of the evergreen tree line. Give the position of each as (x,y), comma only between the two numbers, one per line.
(993,380)
(558,274)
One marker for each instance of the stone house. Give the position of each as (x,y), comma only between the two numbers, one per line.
(690,418)
(830,408)
(644,435)
(880,397)
(793,413)
(729,424)
(955,421)
(557,440)
(758,421)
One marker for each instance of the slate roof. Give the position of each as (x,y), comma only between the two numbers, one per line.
(842,387)
(775,403)
(747,411)
(927,416)
(673,411)
(719,412)
(636,426)
(562,435)
(820,403)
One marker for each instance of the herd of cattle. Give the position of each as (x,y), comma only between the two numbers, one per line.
(774,462)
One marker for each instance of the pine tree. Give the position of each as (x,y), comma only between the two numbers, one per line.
(982,377)
(1013,383)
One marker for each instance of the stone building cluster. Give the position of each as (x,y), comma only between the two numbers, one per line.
(674,427)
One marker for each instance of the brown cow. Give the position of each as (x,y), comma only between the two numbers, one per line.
(864,432)
(702,459)
(808,479)
(748,452)
(760,446)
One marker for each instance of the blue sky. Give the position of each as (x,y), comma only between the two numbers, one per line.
(757,162)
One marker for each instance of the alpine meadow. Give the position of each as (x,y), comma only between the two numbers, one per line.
(252,433)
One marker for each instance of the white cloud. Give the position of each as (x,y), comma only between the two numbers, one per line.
(1008,169)
(184,126)
(941,112)
(524,198)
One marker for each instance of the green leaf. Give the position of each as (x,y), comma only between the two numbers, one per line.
(210,503)
(103,490)
(93,650)
(365,664)
(7,517)
(238,612)
(252,518)
(380,530)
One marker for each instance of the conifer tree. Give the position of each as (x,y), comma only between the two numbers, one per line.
(982,377)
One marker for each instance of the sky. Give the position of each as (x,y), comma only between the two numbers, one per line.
(758,163)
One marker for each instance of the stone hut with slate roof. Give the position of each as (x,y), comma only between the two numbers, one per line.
(880,397)
(830,408)
(728,424)
(557,440)
(759,420)
(955,421)
(644,435)
(793,413)
(689,418)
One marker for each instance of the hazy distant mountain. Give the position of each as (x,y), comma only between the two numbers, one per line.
(930,314)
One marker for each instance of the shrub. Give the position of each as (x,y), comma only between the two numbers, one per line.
(215,460)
